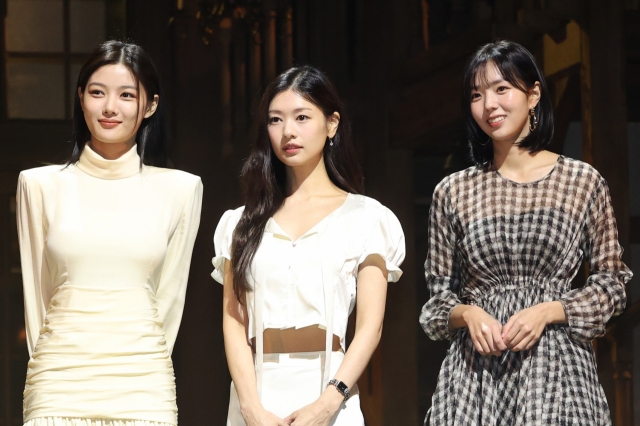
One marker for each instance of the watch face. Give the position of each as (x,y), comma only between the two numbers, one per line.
(342,387)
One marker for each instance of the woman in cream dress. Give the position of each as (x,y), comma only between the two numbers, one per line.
(291,259)
(106,243)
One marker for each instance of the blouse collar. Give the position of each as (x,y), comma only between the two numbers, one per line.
(95,165)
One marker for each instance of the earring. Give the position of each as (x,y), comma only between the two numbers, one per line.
(487,141)
(533,120)
(330,142)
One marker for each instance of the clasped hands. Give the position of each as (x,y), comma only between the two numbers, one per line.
(318,413)
(521,332)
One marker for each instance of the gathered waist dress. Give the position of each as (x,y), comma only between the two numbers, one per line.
(506,246)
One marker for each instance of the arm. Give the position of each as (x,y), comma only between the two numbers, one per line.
(589,308)
(235,322)
(172,286)
(371,298)
(444,313)
(35,274)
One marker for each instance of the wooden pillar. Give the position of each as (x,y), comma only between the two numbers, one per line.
(255,63)
(606,147)
(225,86)
(240,111)
(270,41)
(287,39)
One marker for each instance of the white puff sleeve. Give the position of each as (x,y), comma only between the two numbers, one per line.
(32,233)
(386,239)
(222,239)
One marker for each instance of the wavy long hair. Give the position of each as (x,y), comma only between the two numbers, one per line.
(153,135)
(263,175)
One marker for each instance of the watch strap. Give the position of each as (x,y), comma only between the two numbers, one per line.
(341,387)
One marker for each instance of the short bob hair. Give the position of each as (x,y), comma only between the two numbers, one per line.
(153,134)
(519,68)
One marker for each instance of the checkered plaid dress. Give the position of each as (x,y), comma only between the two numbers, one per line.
(506,246)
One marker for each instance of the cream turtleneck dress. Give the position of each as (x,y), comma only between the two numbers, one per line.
(105,248)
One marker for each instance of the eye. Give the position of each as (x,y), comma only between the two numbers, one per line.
(502,89)
(273,120)
(128,95)
(95,92)
(475,96)
(302,118)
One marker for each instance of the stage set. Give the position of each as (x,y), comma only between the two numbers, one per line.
(398,65)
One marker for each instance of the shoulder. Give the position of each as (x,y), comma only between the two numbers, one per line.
(366,210)
(579,169)
(40,178)
(228,223)
(459,180)
(41,174)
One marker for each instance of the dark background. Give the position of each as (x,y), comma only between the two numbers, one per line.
(398,65)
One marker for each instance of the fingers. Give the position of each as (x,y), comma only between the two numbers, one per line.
(497,340)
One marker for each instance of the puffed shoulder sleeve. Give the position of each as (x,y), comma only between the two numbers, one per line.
(172,287)
(222,239)
(36,279)
(386,239)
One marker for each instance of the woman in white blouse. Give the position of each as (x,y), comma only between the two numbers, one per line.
(105,244)
(296,251)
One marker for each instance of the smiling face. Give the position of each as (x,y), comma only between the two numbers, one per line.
(501,109)
(298,129)
(112,106)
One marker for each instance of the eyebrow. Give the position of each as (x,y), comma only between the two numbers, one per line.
(275,111)
(499,80)
(95,83)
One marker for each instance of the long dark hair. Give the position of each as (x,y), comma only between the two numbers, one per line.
(517,66)
(263,174)
(153,134)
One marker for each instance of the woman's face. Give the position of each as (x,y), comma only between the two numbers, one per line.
(501,109)
(298,129)
(113,108)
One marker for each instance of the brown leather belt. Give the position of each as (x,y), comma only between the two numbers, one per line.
(292,340)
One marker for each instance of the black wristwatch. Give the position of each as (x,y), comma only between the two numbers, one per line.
(342,388)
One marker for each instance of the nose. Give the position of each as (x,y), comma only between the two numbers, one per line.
(289,130)
(490,101)
(110,108)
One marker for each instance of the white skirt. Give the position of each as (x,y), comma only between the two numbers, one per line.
(291,381)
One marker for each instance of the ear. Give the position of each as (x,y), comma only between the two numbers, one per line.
(534,95)
(151,108)
(81,96)
(332,123)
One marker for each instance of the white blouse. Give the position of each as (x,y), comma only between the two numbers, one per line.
(105,248)
(293,281)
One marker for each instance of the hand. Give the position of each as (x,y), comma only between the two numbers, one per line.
(258,416)
(318,413)
(523,330)
(485,331)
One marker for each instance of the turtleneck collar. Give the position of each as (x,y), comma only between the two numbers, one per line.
(95,165)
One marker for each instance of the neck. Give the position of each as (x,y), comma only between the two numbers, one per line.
(508,154)
(308,179)
(111,151)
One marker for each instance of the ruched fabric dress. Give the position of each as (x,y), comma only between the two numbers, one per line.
(105,248)
(505,246)
(304,282)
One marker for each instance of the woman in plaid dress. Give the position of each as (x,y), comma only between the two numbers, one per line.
(506,238)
